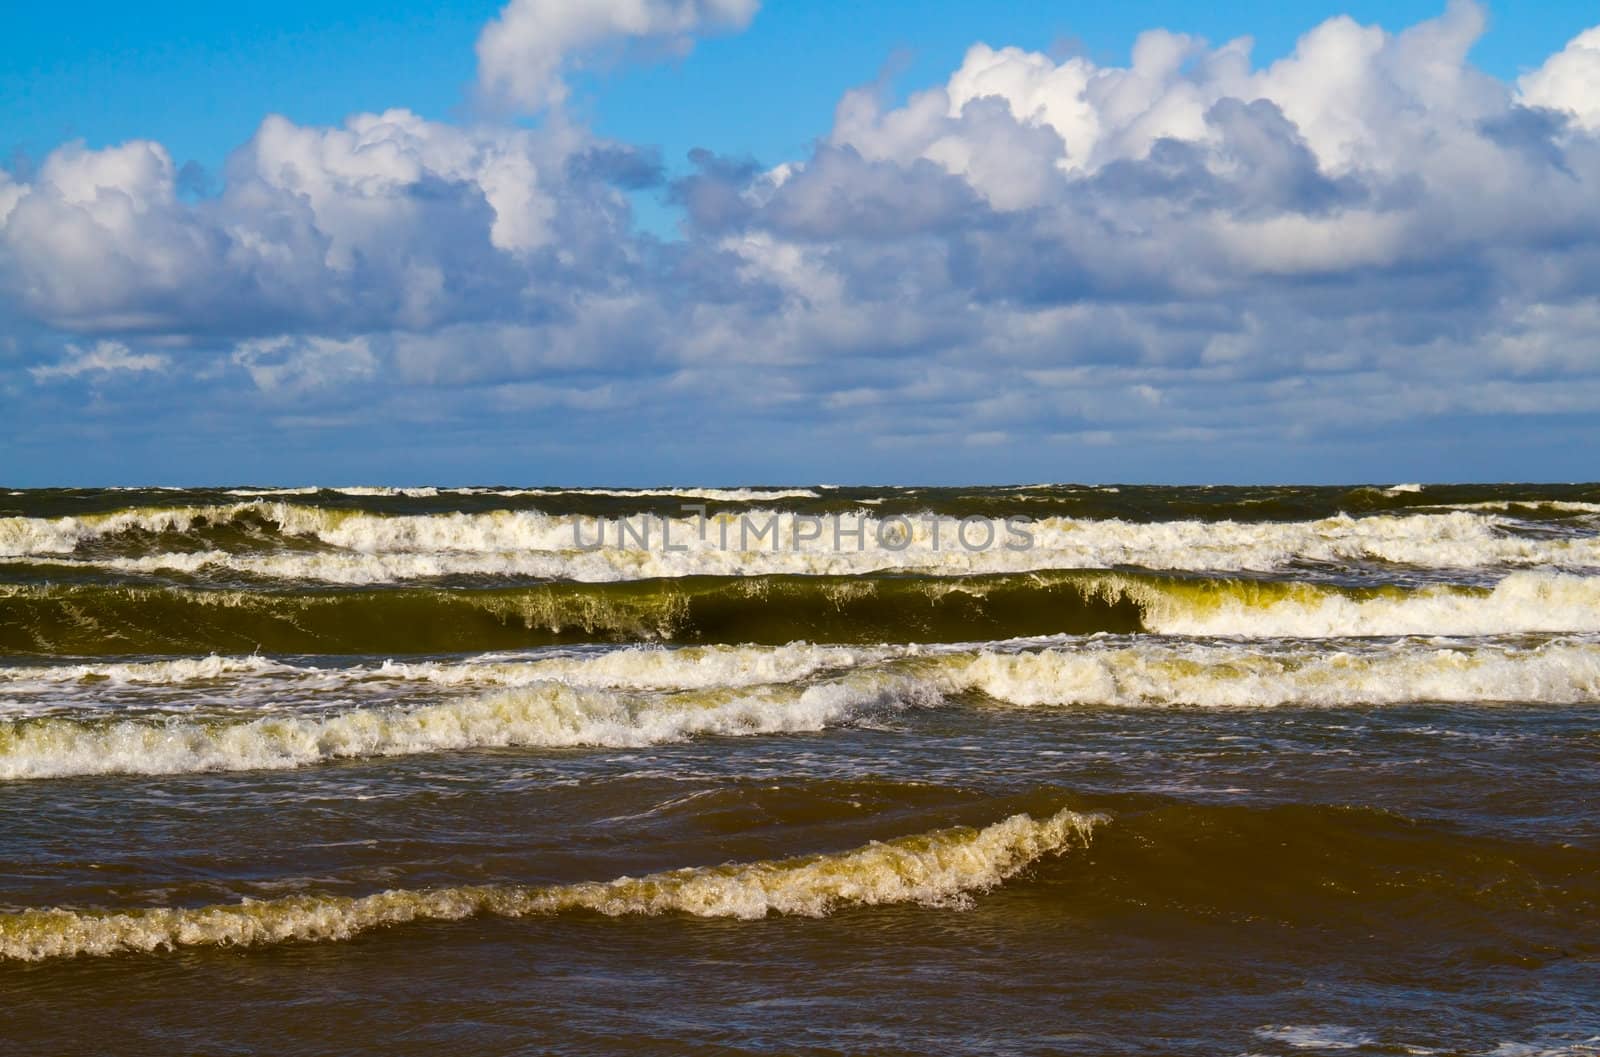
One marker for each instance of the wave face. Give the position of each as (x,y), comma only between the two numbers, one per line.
(942,868)
(97,620)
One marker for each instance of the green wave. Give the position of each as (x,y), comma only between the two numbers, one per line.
(101,620)
(97,620)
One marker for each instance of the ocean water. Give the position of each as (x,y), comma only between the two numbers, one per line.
(801,770)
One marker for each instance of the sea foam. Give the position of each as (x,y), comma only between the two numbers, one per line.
(361,548)
(545,715)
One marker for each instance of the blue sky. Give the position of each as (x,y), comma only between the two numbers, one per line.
(891,258)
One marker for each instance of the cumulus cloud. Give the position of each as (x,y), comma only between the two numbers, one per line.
(390,220)
(1569,81)
(524,52)
(1191,247)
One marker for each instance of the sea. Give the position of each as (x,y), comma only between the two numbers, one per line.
(801,770)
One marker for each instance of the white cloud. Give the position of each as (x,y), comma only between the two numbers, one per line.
(1569,80)
(296,366)
(387,220)
(360,180)
(99,234)
(101,358)
(1366,231)
(1360,98)
(524,52)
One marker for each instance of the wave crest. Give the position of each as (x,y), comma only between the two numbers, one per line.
(547,715)
(943,868)
(270,540)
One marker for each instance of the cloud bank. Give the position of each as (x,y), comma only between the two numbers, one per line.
(1192,260)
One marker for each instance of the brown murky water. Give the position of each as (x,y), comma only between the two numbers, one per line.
(1269,771)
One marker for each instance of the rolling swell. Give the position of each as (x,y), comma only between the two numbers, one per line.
(98,620)
(1326,866)
(1138,864)
(941,868)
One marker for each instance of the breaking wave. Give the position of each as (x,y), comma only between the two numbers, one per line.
(546,715)
(642,668)
(97,620)
(637,697)
(1211,676)
(290,542)
(943,868)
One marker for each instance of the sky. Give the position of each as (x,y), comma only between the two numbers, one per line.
(632,242)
